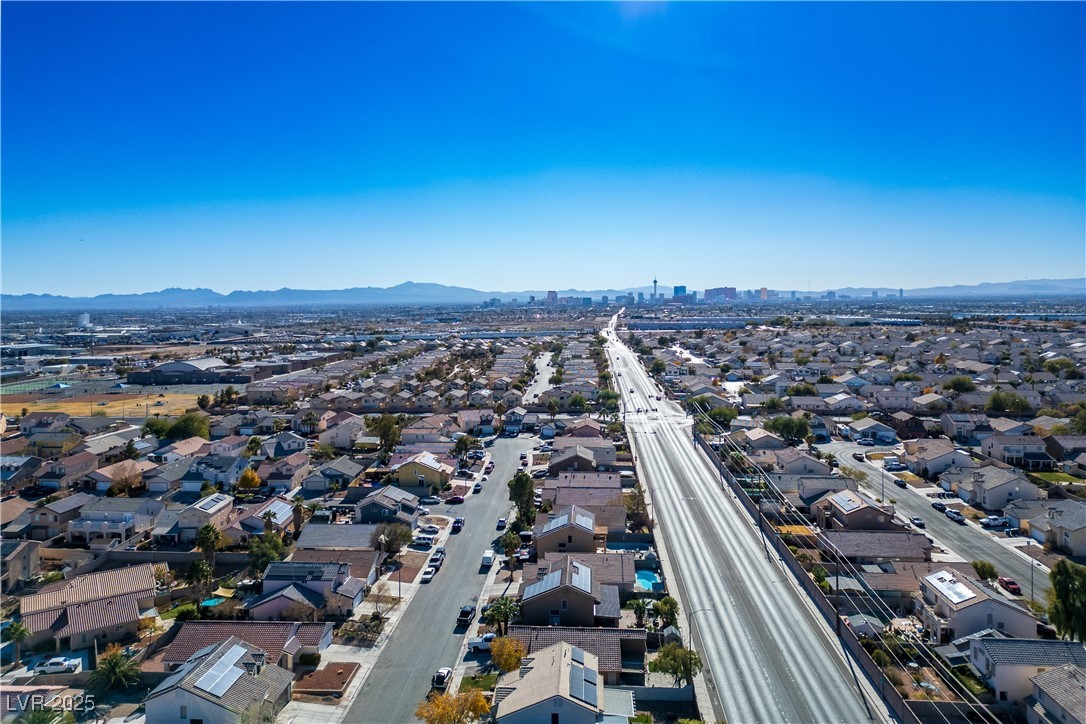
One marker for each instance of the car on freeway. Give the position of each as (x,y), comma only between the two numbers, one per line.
(57,665)
(428,574)
(941,507)
(502,522)
(457,525)
(917,521)
(1010,585)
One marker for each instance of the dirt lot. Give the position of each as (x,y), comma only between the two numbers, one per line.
(331,679)
(134,405)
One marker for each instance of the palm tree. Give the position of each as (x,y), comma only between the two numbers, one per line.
(501,612)
(299,515)
(639,606)
(115,669)
(209,539)
(552,408)
(200,576)
(17,633)
(499,410)
(45,716)
(509,543)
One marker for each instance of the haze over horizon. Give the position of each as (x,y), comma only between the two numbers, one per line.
(540,146)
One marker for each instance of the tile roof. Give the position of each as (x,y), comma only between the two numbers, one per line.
(91,587)
(293,592)
(1064,685)
(1033,652)
(271,636)
(545,675)
(604,643)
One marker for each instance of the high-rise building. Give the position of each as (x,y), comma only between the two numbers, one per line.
(900,293)
(654,289)
(763,294)
(640,297)
(729,294)
(531,299)
(874,294)
(714,294)
(586,301)
(604,299)
(84,320)
(831,295)
(679,291)
(793,295)
(552,297)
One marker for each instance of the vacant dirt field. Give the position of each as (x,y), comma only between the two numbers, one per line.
(109,405)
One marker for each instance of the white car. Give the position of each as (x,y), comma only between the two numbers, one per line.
(57,665)
(431,529)
(428,574)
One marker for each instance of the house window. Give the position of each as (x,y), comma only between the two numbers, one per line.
(565,604)
(83,638)
(184,712)
(554,717)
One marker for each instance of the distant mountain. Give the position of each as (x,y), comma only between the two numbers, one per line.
(425,293)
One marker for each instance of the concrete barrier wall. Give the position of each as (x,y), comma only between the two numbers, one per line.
(659,693)
(227,558)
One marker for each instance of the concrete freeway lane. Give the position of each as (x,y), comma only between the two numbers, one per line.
(968,540)
(769,656)
(426,637)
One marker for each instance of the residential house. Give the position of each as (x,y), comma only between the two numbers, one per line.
(342,472)
(793,461)
(282,445)
(17,471)
(756,438)
(282,641)
(571,458)
(274,515)
(422,469)
(52,519)
(346,434)
(223,683)
(91,610)
(620,651)
(114,519)
(849,510)
(213,510)
(63,474)
(867,428)
(218,470)
(52,445)
(285,474)
(311,422)
(990,487)
(19,563)
(611,569)
(572,530)
(512,420)
(891,398)
(478,423)
(907,426)
(1024,451)
(1064,528)
(167,477)
(1008,665)
(584,427)
(875,546)
(931,402)
(569,597)
(296,589)
(951,605)
(929,458)
(603,449)
(966,428)
(1057,696)
(126,473)
(387,504)
(35,422)
(189,447)
(231,446)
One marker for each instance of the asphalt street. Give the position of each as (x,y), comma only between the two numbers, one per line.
(969,540)
(769,656)
(427,638)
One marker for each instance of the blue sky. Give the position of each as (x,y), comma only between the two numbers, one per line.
(515,146)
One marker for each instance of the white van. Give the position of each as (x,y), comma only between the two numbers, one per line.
(488,558)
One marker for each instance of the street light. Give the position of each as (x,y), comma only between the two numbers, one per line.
(693,621)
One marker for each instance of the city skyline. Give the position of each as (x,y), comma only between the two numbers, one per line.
(260,146)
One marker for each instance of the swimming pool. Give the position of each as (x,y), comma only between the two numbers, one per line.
(648,580)
(209,602)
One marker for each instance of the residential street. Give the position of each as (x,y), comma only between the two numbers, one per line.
(769,656)
(969,541)
(541,383)
(426,638)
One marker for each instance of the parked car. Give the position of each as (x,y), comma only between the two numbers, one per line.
(1010,585)
(866,442)
(917,521)
(941,507)
(993,521)
(441,679)
(955,516)
(57,665)
(428,574)
(455,500)
(466,615)
(431,529)
(435,561)
(431,500)
(481,643)
(502,522)
(858,456)
(457,525)
(539,474)
(478,488)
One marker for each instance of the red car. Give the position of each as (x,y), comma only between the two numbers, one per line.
(455,500)
(1010,585)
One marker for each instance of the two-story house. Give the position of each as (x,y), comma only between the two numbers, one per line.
(572,530)
(64,473)
(114,519)
(569,596)
(52,519)
(292,587)
(1024,451)
(215,470)
(950,605)
(212,510)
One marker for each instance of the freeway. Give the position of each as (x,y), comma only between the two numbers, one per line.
(969,540)
(769,656)
(426,637)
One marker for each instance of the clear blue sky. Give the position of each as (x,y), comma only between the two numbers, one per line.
(514,146)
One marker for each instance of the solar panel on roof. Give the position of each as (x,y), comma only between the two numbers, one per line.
(582,577)
(590,675)
(576,682)
(577,654)
(219,678)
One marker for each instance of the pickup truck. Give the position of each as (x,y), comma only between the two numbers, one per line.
(57,665)
(482,643)
(993,521)
(467,615)
(440,680)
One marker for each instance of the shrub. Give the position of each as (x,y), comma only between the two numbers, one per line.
(309,659)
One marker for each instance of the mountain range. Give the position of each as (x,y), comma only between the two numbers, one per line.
(411,293)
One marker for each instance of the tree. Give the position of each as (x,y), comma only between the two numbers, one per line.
(264,549)
(189,425)
(985,571)
(156,426)
(853,474)
(249,479)
(959,384)
(577,403)
(1067,609)
(640,607)
(269,521)
(115,669)
(681,663)
(507,653)
(463,444)
(552,408)
(773,404)
(509,544)
(396,536)
(803,389)
(130,451)
(658,367)
(789,427)
(209,539)
(386,428)
(17,633)
(501,612)
(203,402)
(259,712)
(448,708)
(522,495)
(125,479)
(667,610)
(200,575)
(1079,423)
